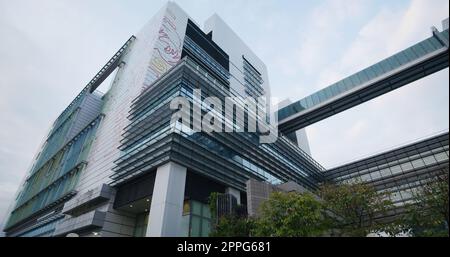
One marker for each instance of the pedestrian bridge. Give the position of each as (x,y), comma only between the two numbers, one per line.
(418,61)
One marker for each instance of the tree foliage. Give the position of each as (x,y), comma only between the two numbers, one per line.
(290,214)
(232,226)
(350,209)
(353,207)
(428,214)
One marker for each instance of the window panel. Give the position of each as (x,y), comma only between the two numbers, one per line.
(426,46)
(309,102)
(346,84)
(441,157)
(206,227)
(195,226)
(417,163)
(375,175)
(402,58)
(385,65)
(429,160)
(407,166)
(196,208)
(418,50)
(355,80)
(435,43)
(412,55)
(396,169)
(385,172)
(334,89)
(327,92)
(315,99)
(363,76)
(370,73)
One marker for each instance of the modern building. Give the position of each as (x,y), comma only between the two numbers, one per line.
(118,165)
(113,165)
(400,171)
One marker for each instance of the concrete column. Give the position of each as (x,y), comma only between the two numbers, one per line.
(167,201)
(234,192)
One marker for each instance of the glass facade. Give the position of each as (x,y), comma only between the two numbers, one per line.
(55,178)
(149,133)
(401,171)
(253,80)
(200,219)
(231,158)
(141,225)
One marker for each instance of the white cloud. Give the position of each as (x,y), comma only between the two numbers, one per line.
(325,26)
(418,109)
(390,31)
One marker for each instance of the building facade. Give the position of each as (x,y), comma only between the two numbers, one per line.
(401,171)
(117,164)
(113,165)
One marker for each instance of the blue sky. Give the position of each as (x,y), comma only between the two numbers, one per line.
(51,48)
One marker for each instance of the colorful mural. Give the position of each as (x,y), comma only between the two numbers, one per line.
(167,50)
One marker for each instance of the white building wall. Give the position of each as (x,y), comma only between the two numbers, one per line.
(144,63)
(227,39)
(155,50)
(165,218)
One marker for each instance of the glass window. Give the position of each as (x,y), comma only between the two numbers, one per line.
(362,76)
(375,175)
(406,194)
(441,157)
(402,58)
(394,62)
(370,73)
(378,70)
(407,166)
(366,177)
(347,83)
(196,208)
(206,211)
(206,227)
(417,163)
(334,89)
(355,80)
(428,46)
(429,160)
(315,99)
(385,172)
(303,104)
(195,226)
(327,93)
(396,169)
(435,43)
(321,95)
(418,50)
(411,54)
(395,196)
(185,225)
(385,65)
(309,102)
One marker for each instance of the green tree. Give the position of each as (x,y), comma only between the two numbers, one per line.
(290,214)
(428,214)
(353,207)
(232,226)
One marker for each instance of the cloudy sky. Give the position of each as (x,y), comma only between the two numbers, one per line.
(50,49)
